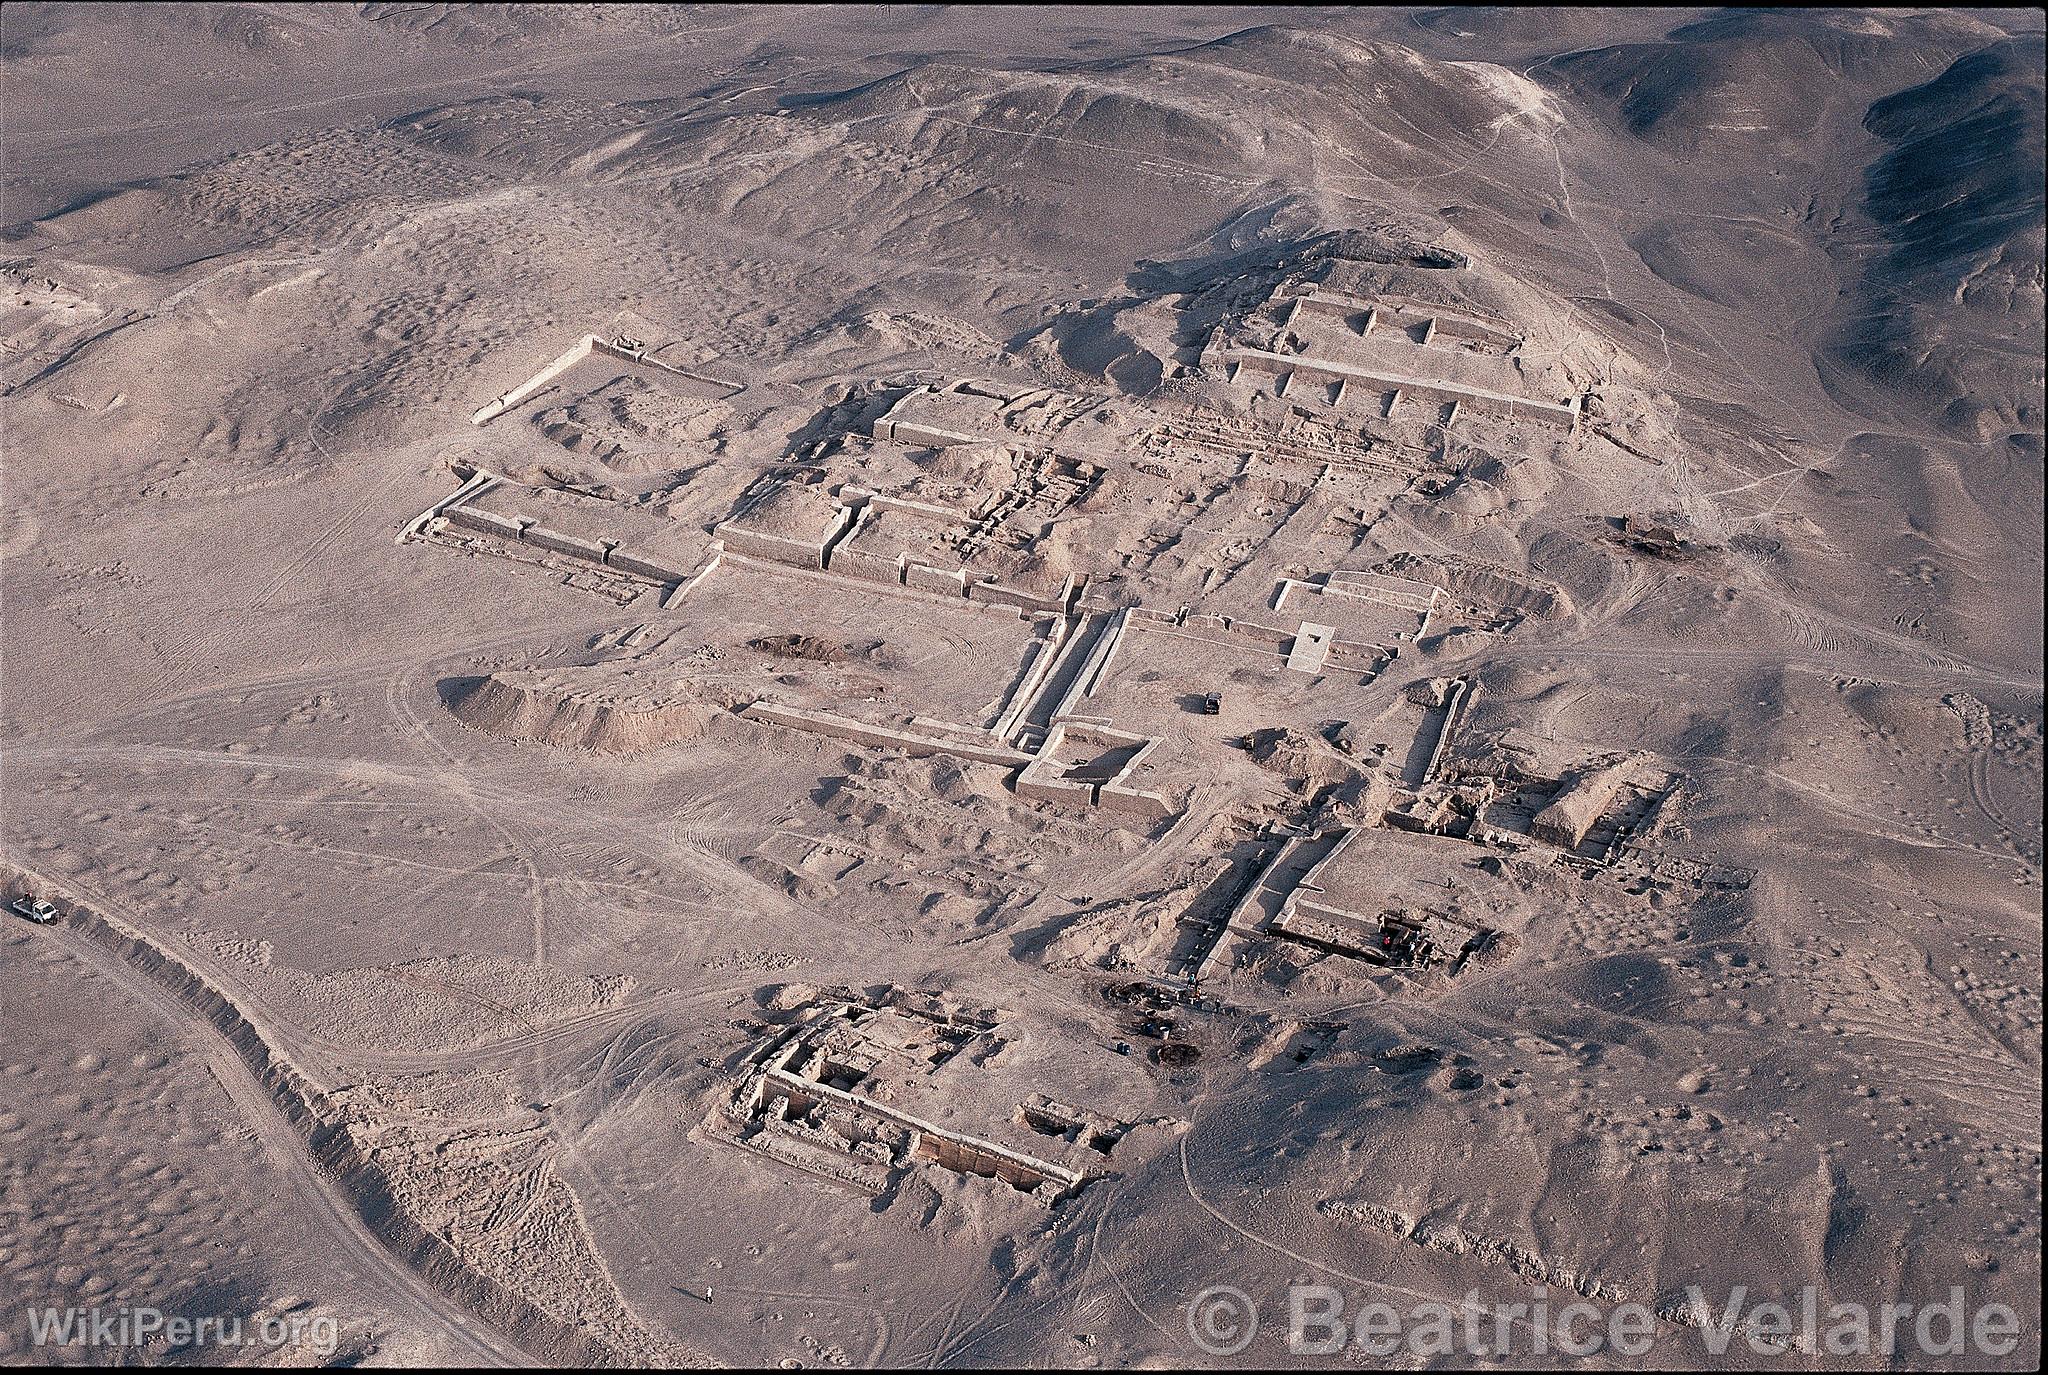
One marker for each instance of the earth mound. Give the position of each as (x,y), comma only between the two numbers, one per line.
(618,712)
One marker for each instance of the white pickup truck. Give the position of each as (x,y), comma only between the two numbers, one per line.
(37,910)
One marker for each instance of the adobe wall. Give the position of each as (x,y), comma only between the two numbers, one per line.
(1352,654)
(1046,657)
(541,537)
(1460,701)
(861,563)
(487,522)
(1578,806)
(1252,630)
(774,548)
(580,350)
(1283,363)
(1384,588)
(1404,313)
(962,1157)
(917,436)
(642,568)
(929,579)
(1043,788)
(1150,806)
(935,1143)
(996,594)
(882,737)
(1095,667)
(1041,780)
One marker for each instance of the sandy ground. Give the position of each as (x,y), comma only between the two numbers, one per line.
(433,895)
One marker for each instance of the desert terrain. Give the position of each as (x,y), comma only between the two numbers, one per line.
(913,686)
